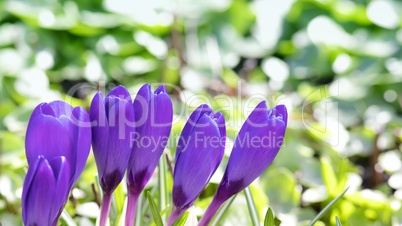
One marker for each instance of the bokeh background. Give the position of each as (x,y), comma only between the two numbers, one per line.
(336,65)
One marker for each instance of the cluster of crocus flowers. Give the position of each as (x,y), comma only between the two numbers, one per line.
(57,144)
(248,160)
(131,136)
(119,130)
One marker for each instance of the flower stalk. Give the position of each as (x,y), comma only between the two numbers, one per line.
(212,209)
(105,209)
(131,208)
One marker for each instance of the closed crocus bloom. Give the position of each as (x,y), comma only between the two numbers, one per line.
(58,129)
(198,155)
(113,123)
(153,115)
(256,146)
(45,188)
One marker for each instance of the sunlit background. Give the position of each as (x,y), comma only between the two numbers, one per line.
(336,65)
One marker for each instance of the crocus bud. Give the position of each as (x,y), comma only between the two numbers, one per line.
(153,114)
(58,129)
(113,124)
(198,155)
(256,146)
(45,189)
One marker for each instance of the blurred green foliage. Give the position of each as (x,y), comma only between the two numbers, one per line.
(336,64)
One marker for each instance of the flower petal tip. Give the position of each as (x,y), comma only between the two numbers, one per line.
(161,89)
(120,92)
(280,112)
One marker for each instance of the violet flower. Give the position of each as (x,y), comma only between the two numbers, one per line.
(57,146)
(58,129)
(153,113)
(45,189)
(198,155)
(256,146)
(113,124)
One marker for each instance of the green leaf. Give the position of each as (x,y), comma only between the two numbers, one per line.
(328,175)
(154,209)
(338,222)
(163,191)
(279,183)
(122,216)
(119,196)
(181,220)
(98,186)
(165,210)
(221,212)
(145,206)
(230,77)
(67,218)
(119,200)
(327,208)
(269,218)
(251,207)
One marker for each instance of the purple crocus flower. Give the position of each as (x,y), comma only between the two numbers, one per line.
(153,114)
(256,146)
(113,124)
(198,155)
(59,135)
(58,129)
(45,189)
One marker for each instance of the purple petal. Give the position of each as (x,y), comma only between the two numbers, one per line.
(115,95)
(47,136)
(280,110)
(121,127)
(197,162)
(191,123)
(154,114)
(82,138)
(57,109)
(220,122)
(38,205)
(27,184)
(61,171)
(100,132)
(141,104)
(161,89)
(37,111)
(120,92)
(256,146)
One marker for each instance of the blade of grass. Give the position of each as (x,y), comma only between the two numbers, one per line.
(118,202)
(163,191)
(251,207)
(154,210)
(119,196)
(164,211)
(181,220)
(146,204)
(98,186)
(269,218)
(221,212)
(327,208)
(338,222)
(67,218)
(121,219)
